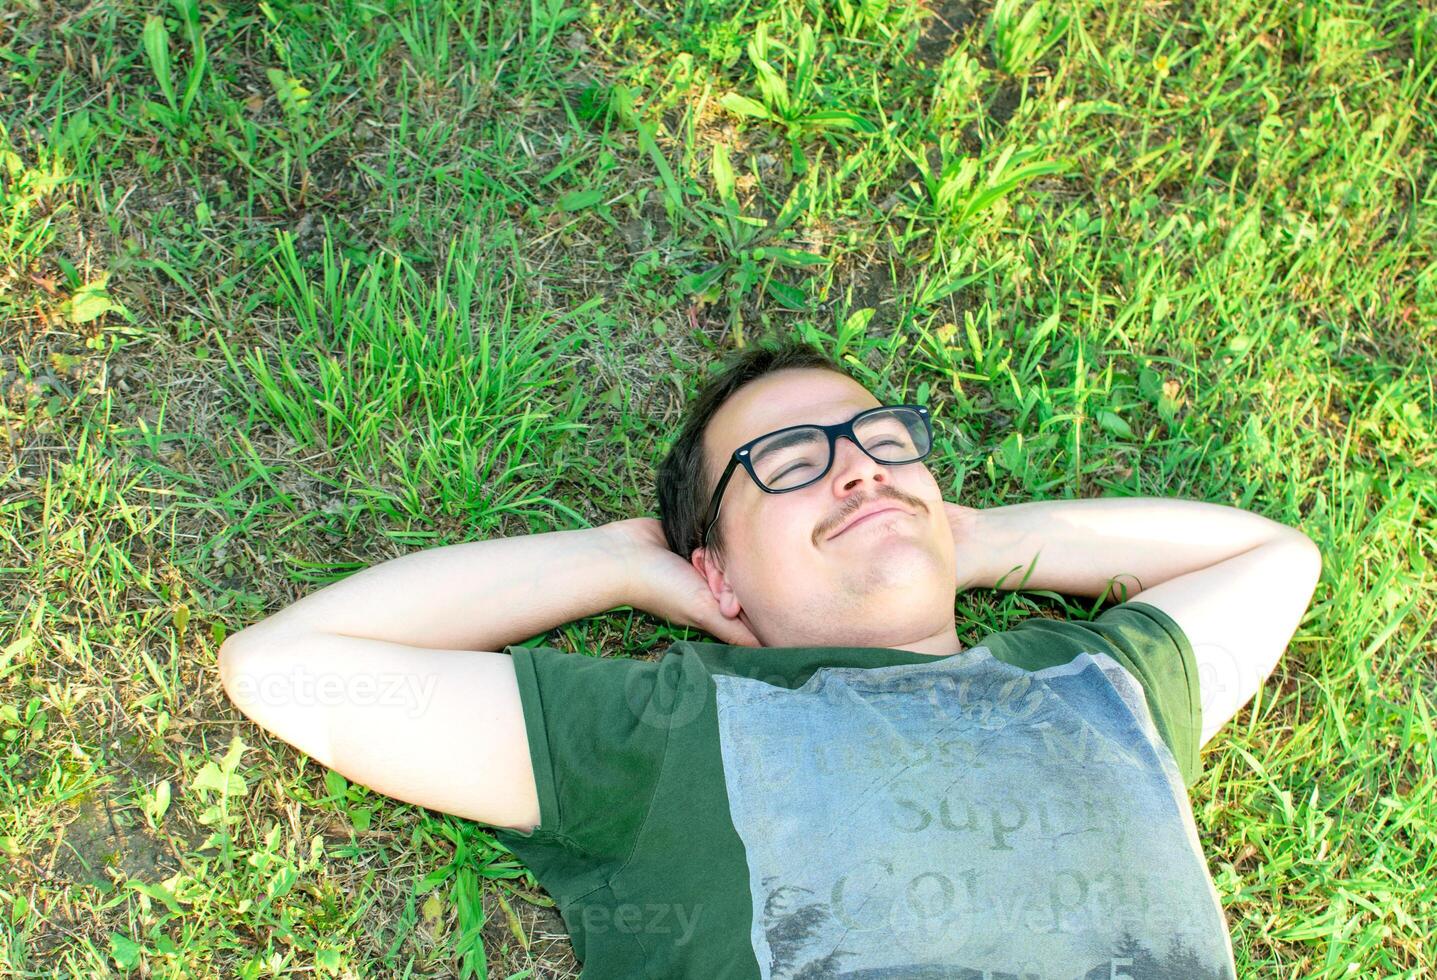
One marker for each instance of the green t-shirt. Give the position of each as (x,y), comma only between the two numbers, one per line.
(1017,809)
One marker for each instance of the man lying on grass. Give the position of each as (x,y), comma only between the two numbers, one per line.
(839,788)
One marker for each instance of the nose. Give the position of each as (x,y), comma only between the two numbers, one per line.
(851,464)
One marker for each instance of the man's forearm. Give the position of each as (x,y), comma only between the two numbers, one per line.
(1088,547)
(480,595)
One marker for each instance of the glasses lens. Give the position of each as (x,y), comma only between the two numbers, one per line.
(894,436)
(791,459)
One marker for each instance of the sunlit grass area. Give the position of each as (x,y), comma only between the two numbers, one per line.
(288,289)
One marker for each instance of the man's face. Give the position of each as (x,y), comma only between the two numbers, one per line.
(794,578)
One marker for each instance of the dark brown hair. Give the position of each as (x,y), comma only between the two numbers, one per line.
(684,481)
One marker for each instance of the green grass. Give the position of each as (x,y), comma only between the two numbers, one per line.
(293,288)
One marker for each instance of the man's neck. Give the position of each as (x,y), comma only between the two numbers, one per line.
(943,643)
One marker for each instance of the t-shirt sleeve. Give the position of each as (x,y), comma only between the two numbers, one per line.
(1151,646)
(596,755)
(1157,652)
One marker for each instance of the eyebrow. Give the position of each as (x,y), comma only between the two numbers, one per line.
(783,442)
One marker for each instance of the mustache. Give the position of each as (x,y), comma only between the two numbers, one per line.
(892,494)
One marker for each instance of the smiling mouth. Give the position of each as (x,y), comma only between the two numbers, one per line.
(865,520)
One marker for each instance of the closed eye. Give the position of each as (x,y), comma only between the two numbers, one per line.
(797,466)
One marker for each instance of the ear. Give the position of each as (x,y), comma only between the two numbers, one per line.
(718,582)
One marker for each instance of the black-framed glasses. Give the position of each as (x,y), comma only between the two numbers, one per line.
(795,457)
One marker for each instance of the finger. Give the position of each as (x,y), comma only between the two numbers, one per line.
(746,637)
(730,631)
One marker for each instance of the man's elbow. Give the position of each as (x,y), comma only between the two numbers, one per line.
(246,661)
(236,660)
(1308,562)
(268,677)
(1316,557)
(227,660)
(1302,575)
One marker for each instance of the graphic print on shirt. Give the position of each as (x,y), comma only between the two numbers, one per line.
(966,818)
